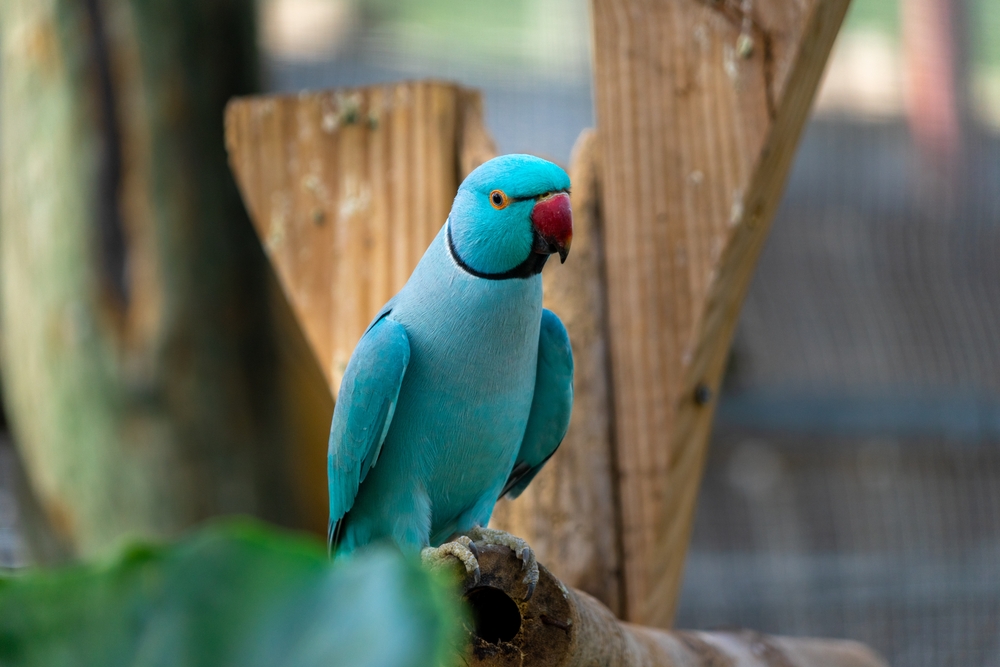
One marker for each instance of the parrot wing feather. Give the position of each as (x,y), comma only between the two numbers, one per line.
(364,409)
(550,407)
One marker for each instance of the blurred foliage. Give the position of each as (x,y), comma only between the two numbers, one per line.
(471,18)
(984,17)
(233,594)
(876,15)
(546,36)
(520,31)
(983,26)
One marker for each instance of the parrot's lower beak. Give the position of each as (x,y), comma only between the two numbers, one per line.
(552,218)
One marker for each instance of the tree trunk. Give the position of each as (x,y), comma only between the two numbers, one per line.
(141,373)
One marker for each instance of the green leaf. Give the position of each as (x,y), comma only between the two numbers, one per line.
(236,594)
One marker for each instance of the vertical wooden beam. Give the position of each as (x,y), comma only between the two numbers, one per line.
(700,104)
(346,190)
(568,514)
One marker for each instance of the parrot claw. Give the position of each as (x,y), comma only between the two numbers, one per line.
(462,549)
(518,546)
(471,546)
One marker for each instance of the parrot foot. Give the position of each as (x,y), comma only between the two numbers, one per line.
(462,549)
(515,544)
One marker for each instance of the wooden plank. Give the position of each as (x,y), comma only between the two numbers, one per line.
(346,190)
(699,109)
(568,513)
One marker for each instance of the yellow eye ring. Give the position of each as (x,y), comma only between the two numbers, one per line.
(499,199)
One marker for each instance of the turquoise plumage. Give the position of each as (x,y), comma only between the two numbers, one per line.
(550,406)
(461,388)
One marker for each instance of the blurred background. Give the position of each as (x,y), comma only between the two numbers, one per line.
(853,486)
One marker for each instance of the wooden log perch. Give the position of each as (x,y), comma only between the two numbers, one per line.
(563,627)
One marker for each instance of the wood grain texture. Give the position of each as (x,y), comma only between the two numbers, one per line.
(346,190)
(563,627)
(699,112)
(568,513)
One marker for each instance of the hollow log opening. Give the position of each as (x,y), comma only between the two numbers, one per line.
(496,616)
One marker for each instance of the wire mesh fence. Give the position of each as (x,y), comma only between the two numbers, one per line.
(853,486)
(891,541)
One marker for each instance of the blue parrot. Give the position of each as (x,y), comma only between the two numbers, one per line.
(461,388)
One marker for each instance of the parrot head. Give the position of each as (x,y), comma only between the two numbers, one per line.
(509,215)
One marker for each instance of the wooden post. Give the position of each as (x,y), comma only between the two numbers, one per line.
(700,104)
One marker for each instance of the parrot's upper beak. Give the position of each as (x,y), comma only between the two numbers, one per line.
(552,218)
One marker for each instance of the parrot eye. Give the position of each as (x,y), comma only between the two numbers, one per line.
(499,199)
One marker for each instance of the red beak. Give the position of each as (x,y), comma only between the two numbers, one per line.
(552,218)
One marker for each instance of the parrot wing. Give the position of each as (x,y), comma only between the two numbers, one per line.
(550,407)
(363,412)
